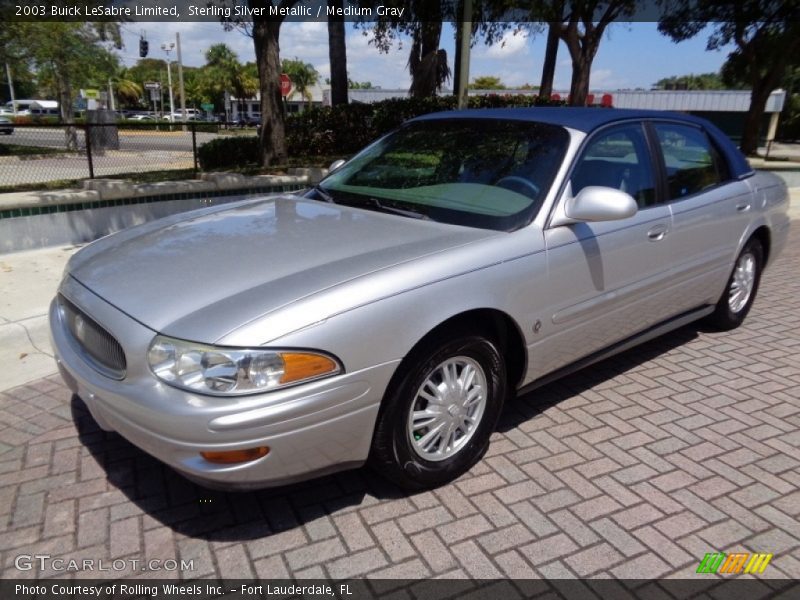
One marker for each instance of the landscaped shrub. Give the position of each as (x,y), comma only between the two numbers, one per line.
(343,130)
(330,130)
(228,152)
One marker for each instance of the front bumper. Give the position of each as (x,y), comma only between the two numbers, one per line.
(310,429)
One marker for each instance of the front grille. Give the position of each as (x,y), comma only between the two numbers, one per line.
(103,352)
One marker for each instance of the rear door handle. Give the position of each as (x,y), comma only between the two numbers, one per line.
(743,207)
(657,233)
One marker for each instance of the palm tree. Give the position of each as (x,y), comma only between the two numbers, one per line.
(224,72)
(303,76)
(127,90)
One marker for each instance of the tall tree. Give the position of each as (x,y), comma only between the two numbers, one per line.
(337,54)
(266,32)
(223,72)
(68,55)
(422,21)
(582,28)
(766,34)
(580,24)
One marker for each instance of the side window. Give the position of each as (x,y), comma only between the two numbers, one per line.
(692,162)
(618,158)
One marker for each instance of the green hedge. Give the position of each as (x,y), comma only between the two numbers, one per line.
(228,152)
(343,130)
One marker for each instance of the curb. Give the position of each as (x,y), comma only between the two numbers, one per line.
(101,190)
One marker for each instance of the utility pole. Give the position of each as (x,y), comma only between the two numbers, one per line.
(111,104)
(11,90)
(463,65)
(169,47)
(180,79)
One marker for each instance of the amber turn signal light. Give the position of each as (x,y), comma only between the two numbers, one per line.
(297,367)
(228,457)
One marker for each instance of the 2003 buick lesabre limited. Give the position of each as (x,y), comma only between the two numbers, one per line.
(387,313)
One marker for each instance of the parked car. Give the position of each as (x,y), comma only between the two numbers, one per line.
(6,126)
(141,117)
(387,314)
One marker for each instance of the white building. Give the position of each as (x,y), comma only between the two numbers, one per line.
(250,108)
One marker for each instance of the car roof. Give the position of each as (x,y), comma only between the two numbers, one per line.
(587,119)
(584,119)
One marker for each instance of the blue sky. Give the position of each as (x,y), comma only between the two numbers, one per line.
(631,54)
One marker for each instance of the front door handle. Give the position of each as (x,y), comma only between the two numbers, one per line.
(657,233)
(743,207)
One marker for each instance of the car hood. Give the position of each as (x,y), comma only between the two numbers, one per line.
(202,274)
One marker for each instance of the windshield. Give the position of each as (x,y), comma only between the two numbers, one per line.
(485,173)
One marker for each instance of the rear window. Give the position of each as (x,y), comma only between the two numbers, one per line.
(691,160)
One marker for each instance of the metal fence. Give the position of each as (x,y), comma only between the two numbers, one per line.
(44,154)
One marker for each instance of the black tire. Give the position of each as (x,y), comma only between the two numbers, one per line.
(393,454)
(725,316)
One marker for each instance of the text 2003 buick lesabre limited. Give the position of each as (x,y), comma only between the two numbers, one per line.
(387,313)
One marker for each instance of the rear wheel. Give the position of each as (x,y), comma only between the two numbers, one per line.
(436,423)
(742,287)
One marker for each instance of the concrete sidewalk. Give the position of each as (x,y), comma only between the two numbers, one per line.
(29,280)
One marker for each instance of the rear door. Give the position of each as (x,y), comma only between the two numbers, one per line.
(607,280)
(709,212)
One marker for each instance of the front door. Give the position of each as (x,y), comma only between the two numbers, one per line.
(606,280)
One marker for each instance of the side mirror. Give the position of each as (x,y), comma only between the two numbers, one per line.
(336,164)
(596,203)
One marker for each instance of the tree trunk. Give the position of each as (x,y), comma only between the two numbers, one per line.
(422,61)
(65,109)
(762,88)
(273,119)
(579,85)
(337,53)
(457,58)
(549,67)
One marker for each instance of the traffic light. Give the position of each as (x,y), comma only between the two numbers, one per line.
(144,47)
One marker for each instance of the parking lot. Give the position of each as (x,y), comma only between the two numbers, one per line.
(633,468)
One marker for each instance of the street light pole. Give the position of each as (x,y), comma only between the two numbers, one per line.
(180,79)
(168,47)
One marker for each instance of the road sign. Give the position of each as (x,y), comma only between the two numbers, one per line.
(90,94)
(152,85)
(286,84)
(153,95)
(207,107)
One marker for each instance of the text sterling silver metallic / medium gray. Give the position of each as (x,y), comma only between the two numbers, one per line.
(386,314)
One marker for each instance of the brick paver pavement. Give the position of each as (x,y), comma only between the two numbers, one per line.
(635,467)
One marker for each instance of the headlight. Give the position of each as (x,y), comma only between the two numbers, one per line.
(230,371)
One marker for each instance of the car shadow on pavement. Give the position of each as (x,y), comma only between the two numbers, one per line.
(535,402)
(213,515)
(194,511)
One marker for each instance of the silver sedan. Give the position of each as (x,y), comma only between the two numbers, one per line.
(386,315)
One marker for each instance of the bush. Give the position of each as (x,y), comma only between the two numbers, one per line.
(344,130)
(330,130)
(228,152)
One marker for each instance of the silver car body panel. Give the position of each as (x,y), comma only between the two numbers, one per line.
(367,288)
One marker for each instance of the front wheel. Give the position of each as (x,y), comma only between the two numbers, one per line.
(741,290)
(436,423)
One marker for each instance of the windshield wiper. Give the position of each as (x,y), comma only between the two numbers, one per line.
(323,193)
(399,211)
